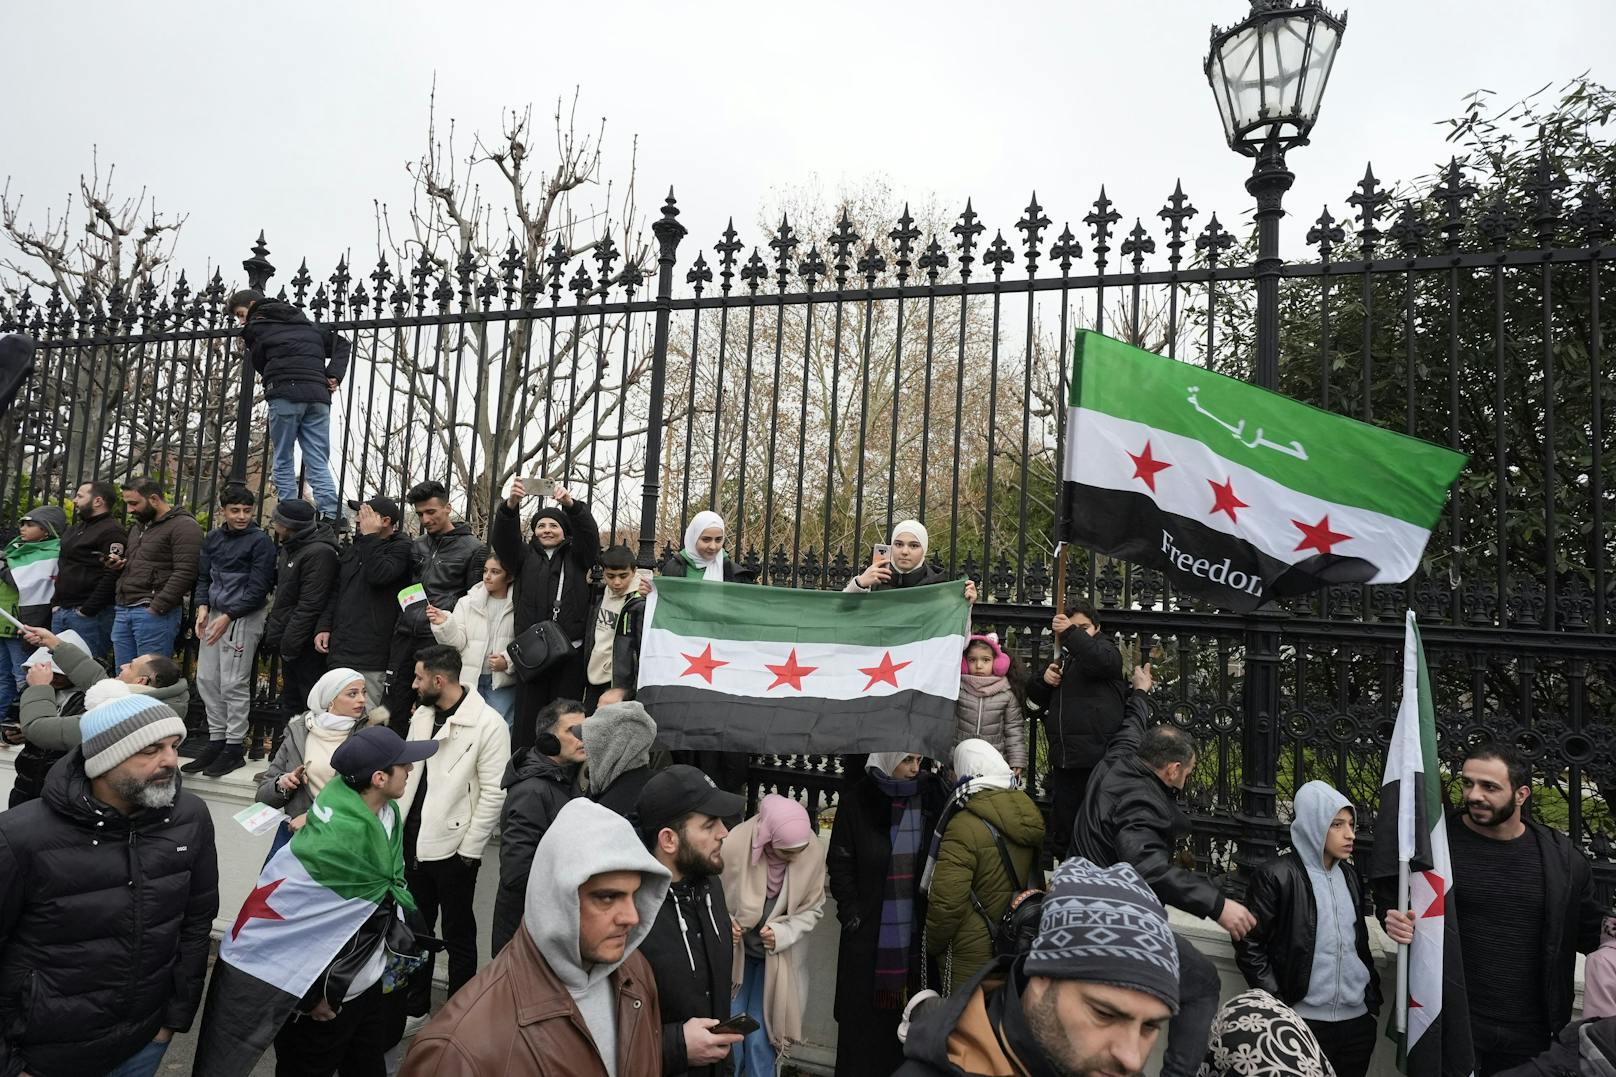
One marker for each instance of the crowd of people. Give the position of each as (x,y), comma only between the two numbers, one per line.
(440,692)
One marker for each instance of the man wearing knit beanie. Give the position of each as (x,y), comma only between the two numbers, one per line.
(111,883)
(1090,997)
(305,575)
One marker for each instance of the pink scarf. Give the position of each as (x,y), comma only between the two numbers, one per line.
(782,824)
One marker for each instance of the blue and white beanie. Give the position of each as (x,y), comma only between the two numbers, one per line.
(1105,925)
(120,727)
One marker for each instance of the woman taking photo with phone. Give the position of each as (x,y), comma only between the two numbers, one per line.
(302,764)
(903,564)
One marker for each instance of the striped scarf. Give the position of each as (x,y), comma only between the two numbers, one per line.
(893,949)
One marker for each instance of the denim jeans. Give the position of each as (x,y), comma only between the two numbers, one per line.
(14,651)
(307,426)
(753,1056)
(136,630)
(143,1063)
(96,632)
(502,700)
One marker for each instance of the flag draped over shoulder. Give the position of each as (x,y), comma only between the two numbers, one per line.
(1411,828)
(736,667)
(1238,494)
(27,577)
(311,898)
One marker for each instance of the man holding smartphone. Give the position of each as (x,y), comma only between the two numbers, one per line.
(682,813)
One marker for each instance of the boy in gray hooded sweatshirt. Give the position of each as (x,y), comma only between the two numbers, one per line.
(1310,947)
(569,994)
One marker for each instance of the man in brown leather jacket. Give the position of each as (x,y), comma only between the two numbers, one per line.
(569,995)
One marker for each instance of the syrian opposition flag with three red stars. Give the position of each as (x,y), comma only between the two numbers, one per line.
(1411,840)
(310,900)
(1239,495)
(737,667)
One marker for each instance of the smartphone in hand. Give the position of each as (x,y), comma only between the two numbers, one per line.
(741,1024)
(882,553)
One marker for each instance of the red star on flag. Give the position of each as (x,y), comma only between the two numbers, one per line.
(257,907)
(702,664)
(1319,536)
(1224,499)
(789,673)
(1439,890)
(1145,466)
(887,671)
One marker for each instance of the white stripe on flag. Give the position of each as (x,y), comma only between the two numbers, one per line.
(841,671)
(1098,455)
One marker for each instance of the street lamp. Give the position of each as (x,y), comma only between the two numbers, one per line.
(1268,75)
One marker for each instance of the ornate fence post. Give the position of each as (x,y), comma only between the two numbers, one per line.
(668,233)
(259,271)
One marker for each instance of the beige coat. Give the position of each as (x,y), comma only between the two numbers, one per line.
(802,901)
(463,792)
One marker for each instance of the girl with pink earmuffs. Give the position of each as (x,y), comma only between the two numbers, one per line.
(989,706)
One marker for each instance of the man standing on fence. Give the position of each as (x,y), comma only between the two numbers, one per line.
(356,629)
(158,570)
(85,585)
(301,364)
(232,603)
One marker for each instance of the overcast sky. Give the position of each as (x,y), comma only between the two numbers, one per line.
(293,117)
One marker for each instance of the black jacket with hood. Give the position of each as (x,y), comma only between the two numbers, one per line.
(625,640)
(104,924)
(83,580)
(237,570)
(446,566)
(1277,954)
(690,951)
(292,354)
(538,575)
(362,609)
(981,1025)
(1082,714)
(1129,815)
(536,789)
(304,576)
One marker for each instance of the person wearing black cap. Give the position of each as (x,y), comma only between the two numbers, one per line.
(681,819)
(552,583)
(305,572)
(361,610)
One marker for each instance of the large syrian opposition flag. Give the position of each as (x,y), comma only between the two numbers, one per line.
(737,667)
(27,576)
(1238,494)
(311,897)
(1412,831)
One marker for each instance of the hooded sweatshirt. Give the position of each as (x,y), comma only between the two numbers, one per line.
(617,739)
(588,840)
(1336,990)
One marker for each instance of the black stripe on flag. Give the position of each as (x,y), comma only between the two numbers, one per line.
(1199,560)
(697,719)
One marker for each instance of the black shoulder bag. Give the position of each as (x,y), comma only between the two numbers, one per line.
(543,646)
(1012,931)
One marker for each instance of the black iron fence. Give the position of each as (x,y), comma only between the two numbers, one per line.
(840,375)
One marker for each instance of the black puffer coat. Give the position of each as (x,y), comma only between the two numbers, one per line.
(1130,815)
(104,920)
(292,354)
(536,789)
(304,576)
(1081,715)
(362,608)
(446,566)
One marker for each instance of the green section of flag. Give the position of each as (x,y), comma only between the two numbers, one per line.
(739,611)
(1311,451)
(344,847)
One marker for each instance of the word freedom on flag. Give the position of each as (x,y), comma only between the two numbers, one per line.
(735,667)
(1239,495)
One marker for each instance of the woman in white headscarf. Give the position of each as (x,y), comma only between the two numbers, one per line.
(703,553)
(302,764)
(906,567)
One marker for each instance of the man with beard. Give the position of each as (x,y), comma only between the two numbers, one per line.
(84,583)
(1526,905)
(158,569)
(681,813)
(111,887)
(1090,997)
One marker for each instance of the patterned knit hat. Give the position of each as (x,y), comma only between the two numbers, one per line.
(119,728)
(1104,925)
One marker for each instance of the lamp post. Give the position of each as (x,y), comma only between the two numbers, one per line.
(1268,75)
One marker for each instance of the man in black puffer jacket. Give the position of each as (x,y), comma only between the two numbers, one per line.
(301,364)
(305,574)
(111,884)
(356,629)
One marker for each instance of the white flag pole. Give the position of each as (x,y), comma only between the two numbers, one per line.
(1402,951)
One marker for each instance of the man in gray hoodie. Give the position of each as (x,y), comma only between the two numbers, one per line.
(1310,948)
(569,995)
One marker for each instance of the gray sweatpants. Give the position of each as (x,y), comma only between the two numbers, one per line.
(224,677)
